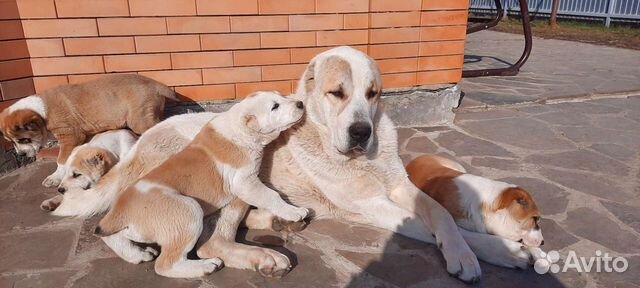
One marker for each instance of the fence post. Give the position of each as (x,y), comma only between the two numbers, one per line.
(610,10)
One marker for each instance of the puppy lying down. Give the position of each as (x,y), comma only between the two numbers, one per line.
(90,161)
(477,203)
(167,205)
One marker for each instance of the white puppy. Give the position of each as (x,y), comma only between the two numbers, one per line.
(167,205)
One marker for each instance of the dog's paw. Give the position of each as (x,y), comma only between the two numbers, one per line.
(273,264)
(461,261)
(52,180)
(278,225)
(292,213)
(211,265)
(51,204)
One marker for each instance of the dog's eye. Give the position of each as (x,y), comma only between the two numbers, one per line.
(337,93)
(76,175)
(24,141)
(372,94)
(275,106)
(536,219)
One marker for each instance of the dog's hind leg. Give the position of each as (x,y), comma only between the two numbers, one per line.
(129,252)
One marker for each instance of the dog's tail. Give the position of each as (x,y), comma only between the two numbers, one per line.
(167,92)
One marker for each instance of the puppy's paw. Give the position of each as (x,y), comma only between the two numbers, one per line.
(273,264)
(461,261)
(52,180)
(292,213)
(210,265)
(51,204)
(278,225)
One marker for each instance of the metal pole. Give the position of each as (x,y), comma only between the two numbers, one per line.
(612,5)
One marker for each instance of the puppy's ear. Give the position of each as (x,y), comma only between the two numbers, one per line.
(96,160)
(251,122)
(513,195)
(34,123)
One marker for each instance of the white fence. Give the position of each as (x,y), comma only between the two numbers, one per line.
(616,10)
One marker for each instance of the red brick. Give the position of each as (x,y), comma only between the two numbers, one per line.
(315,22)
(5,105)
(437,18)
(395,19)
(75,79)
(444,5)
(42,84)
(15,49)
(356,21)
(91,8)
(227,7)
(440,62)
(386,51)
(59,28)
(441,48)
(31,9)
(231,75)
(400,80)
(9,11)
(443,33)
(282,72)
(206,92)
(176,77)
(19,88)
(15,69)
(394,35)
(261,57)
(259,23)
(439,77)
(230,41)
(342,6)
(287,39)
(67,65)
(395,5)
(186,25)
(304,55)
(388,66)
(11,29)
(131,26)
(347,37)
(140,62)
(162,8)
(167,43)
(244,89)
(201,59)
(286,6)
(45,47)
(99,46)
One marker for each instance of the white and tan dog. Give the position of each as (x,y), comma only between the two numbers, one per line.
(477,203)
(90,161)
(167,205)
(74,113)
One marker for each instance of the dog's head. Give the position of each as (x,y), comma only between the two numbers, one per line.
(341,88)
(24,128)
(269,113)
(85,167)
(519,217)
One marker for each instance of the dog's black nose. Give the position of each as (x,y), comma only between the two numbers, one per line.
(300,105)
(360,132)
(542,243)
(62,190)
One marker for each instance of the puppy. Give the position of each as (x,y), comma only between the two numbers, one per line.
(476,203)
(74,113)
(90,161)
(167,205)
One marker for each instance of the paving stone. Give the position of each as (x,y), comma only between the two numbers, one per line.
(555,237)
(406,158)
(550,198)
(32,280)
(520,132)
(588,184)
(404,134)
(564,118)
(629,278)
(27,181)
(432,129)
(581,160)
(535,109)
(586,108)
(489,114)
(42,249)
(496,163)
(115,272)
(632,103)
(353,235)
(617,123)
(464,145)
(23,213)
(614,150)
(493,276)
(589,224)
(421,144)
(591,135)
(627,214)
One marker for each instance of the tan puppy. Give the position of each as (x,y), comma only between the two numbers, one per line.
(167,205)
(476,203)
(74,113)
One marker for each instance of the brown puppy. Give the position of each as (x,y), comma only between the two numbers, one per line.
(476,203)
(74,113)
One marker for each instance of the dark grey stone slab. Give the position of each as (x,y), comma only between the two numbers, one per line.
(589,184)
(496,163)
(421,144)
(629,215)
(520,132)
(582,160)
(596,227)
(38,250)
(464,145)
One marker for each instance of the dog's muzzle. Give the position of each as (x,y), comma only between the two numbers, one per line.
(359,135)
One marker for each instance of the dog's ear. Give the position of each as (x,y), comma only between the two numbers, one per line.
(251,122)
(308,82)
(96,160)
(34,123)
(513,195)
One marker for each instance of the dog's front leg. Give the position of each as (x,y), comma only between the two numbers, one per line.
(257,194)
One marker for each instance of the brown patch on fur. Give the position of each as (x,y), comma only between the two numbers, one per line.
(21,124)
(430,176)
(220,148)
(520,205)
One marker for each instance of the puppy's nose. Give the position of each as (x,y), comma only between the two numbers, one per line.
(542,243)
(360,132)
(300,105)
(62,190)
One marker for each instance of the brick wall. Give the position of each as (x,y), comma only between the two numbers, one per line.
(223,49)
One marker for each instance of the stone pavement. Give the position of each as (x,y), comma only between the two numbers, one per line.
(556,68)
(580,160)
